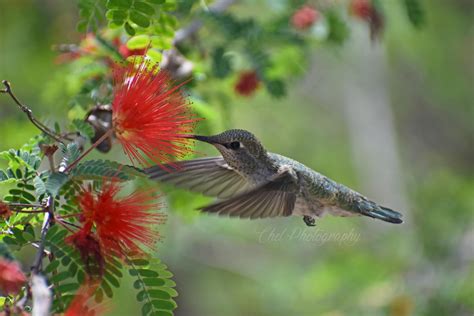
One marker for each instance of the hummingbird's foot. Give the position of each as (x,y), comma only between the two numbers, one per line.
(309,221)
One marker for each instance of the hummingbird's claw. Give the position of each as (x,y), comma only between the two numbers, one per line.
(309,221)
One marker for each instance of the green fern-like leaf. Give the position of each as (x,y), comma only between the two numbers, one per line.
(55,181)
(67,271)
(154,285)
(70,151)
(91,14)
(84,128)
(99,169)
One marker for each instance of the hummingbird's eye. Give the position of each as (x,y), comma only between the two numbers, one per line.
(234,145)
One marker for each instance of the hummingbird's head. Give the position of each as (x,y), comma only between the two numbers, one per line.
(237,146)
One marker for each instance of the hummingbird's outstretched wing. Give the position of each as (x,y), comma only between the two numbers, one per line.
(276,197)
(210,176)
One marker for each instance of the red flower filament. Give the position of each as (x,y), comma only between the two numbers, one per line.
(122,224)
(150,114)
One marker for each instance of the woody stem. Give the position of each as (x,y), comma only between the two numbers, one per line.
(85,153)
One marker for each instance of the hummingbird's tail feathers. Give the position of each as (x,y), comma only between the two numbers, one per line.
(371,209)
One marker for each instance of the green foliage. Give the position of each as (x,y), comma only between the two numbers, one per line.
(55,181)
(84,128)
(91,15)
(338,29)
(221,65)
(139,16)
(415,12)
(19,236)
(99,169)
(154,285)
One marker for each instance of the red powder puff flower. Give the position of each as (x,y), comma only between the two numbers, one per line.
(304,18)
(5,211)
(11,277)
(150,114)
(122,224)
(248,83)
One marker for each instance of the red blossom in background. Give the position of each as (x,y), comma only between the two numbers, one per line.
(361,8)
(365,10)
(247,84)
(11,277)
(150,114)
(122,225)
(304,18)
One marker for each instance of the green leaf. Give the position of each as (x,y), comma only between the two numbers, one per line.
(109,277)
(69,287)
(139,262)
(29,233)
(116,15)
(153,281)
(122,4)
(139,19)
(144,7)
(159,294)
(98,169)
(338,29)
(8,175)
(18,234)
(10,241)
(221,65)
(146,309)
(276,88)
(163,304)
(55,182)
(84,128)
(157,1)
(52,266)
(99,295)
(147,273)
(138,42)
(60,277)
(28,196)
(415,12)
(137,284)
(107,289)
(129,29)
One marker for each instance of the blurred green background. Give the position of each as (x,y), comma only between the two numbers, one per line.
(392,119)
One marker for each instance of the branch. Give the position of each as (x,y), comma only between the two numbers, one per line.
(36,267)
(94,145)
(29,113)
(42,296)
(192,28)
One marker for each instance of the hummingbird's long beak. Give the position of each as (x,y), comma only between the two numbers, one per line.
(206,139)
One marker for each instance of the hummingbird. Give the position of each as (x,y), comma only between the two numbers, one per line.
(250,182)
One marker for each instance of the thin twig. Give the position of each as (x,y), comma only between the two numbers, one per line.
(25,205)
(85,153)
(29,113)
